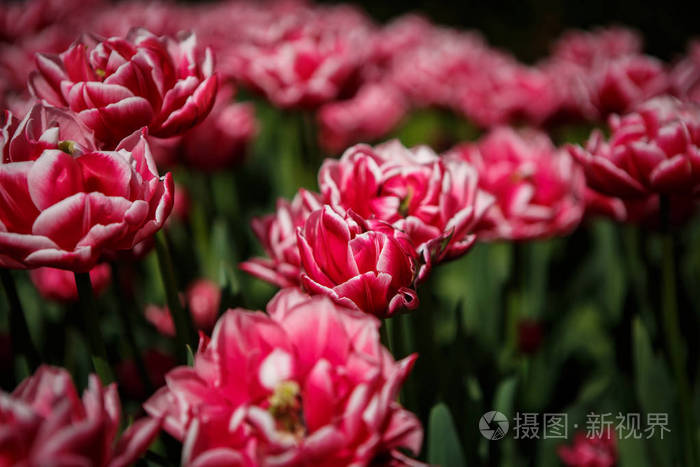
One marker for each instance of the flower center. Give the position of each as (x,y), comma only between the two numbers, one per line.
(100,73)
(67,146)
(405,204)
(285,408)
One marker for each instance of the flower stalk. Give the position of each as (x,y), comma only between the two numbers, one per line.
(19,330)
(184,329)
(674,338)
(92,330)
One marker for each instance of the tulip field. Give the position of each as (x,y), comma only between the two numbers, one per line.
(286,233)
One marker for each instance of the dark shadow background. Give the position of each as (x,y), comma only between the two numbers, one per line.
(528,27)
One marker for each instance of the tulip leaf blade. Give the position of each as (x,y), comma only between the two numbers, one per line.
(444,447)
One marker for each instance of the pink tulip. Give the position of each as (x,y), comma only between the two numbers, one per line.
(202,299)
(223,138)
(655,149)
(366,265)
(63,204)
(504,90)
(374,111)
(685,75)
(590,451)
(435,201)
(120,85)
(59,285)
(307,384)
(588,48)
(278,235)
(44,422)
(181,204)
(539,191)
(309,59)
(436,69)
(619,85)
(603,71)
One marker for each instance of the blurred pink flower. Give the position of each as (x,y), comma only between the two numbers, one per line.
(46,423)
(603,71)
(277,234)
(309,383)
(202,298)
(360,264)
(618,85)
(654,149)
(120,85)
(374,111)
(181,204)
(223,138)
(505,91)
(434,200)
(539,191)
(588,48)
(310,58)
(65,204)
(685,75)
(59,285)
(590,451)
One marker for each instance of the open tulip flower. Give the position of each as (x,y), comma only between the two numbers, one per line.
(310,384)
(435,201)
(310,59)
(117,86)
(278,235)
(367,116)
(655,149)
(361,264)
(44,422)
(64,204)
(539,192)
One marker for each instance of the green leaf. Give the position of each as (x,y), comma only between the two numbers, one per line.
(653,387)
(190,356)
(443,444)
(505,396)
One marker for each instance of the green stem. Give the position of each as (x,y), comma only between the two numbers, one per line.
(311,153)
(92,330)
(21,339)
(184,329)
(384,335)
(124,310)
(515,301)
(674,338)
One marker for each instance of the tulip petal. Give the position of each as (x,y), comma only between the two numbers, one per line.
(54,177)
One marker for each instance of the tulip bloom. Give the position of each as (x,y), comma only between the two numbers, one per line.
(374,111)
(310,59)
(366,265)
(539,191)
(117,86)
(655,149)
(44,422)
(64,204)
(307,384)
(590,451)
(223,138)
(202,299)
(434,200)
(59,285)
(685,75)
(278,235)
